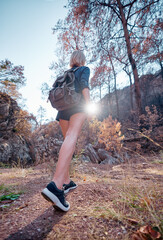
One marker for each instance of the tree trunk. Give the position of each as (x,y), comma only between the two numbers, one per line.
(131,59)
(131,96)
(115,86)
(100,92)
(109,98)
(161,69)
(130,80)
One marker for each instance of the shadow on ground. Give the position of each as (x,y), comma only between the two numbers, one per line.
(40,227)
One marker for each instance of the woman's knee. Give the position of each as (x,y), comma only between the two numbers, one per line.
(75,125)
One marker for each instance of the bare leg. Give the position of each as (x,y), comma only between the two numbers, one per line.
(67,148)
(64,124)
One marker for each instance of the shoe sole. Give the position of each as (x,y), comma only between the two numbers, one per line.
(49,200)
(66,191)
(54,200)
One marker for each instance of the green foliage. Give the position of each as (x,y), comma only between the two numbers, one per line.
(4,165)
(41,113)
(11,78)
(45,90)
(11,73)
(9,192)
(11,196)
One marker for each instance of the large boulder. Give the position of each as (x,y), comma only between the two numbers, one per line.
(46,148)
(100,156)
(46,141)
(13,147)
(8,107)
(15,150)
(91,153)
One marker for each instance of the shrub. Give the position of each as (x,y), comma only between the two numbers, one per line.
(110,134)
(148,120)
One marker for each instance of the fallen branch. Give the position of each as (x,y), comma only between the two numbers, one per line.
(150,139)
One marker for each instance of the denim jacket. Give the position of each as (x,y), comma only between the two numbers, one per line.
(81,78)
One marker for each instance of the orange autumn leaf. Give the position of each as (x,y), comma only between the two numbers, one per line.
(145,201)
(146,233)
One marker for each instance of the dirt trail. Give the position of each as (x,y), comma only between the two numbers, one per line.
(105,204)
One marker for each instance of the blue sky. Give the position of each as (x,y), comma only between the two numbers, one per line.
(27,40)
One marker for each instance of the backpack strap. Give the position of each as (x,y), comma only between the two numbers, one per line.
(72,70)
(76,69)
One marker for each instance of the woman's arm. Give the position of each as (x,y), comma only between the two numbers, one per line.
(86,94)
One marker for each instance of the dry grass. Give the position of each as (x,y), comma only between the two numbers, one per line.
(111,202)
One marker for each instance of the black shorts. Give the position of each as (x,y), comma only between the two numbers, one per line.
(66,114)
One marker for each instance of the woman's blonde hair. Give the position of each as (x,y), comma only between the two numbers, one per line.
(77,59)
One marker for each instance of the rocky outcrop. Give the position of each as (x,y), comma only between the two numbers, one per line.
(46,141)
(43,144)
(151,87)
(7,117)
(15,151)
(14,148)
(100,155)
(47,149)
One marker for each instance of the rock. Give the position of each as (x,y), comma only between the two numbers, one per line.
(121,158)
(5,152)
(151,88)
(7,118)
(46,148)
(98,145)
(91,153)
(14,151)
(13,147)
(4,110)
(107,158)
(103,154)
(84,158)
(110,160)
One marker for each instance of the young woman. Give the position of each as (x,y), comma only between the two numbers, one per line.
(71,122)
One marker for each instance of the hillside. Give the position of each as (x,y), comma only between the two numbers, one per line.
(120,199)
(18,145)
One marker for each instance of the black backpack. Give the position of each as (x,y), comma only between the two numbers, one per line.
(63,95)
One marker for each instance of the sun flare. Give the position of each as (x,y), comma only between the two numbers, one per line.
(91,108)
